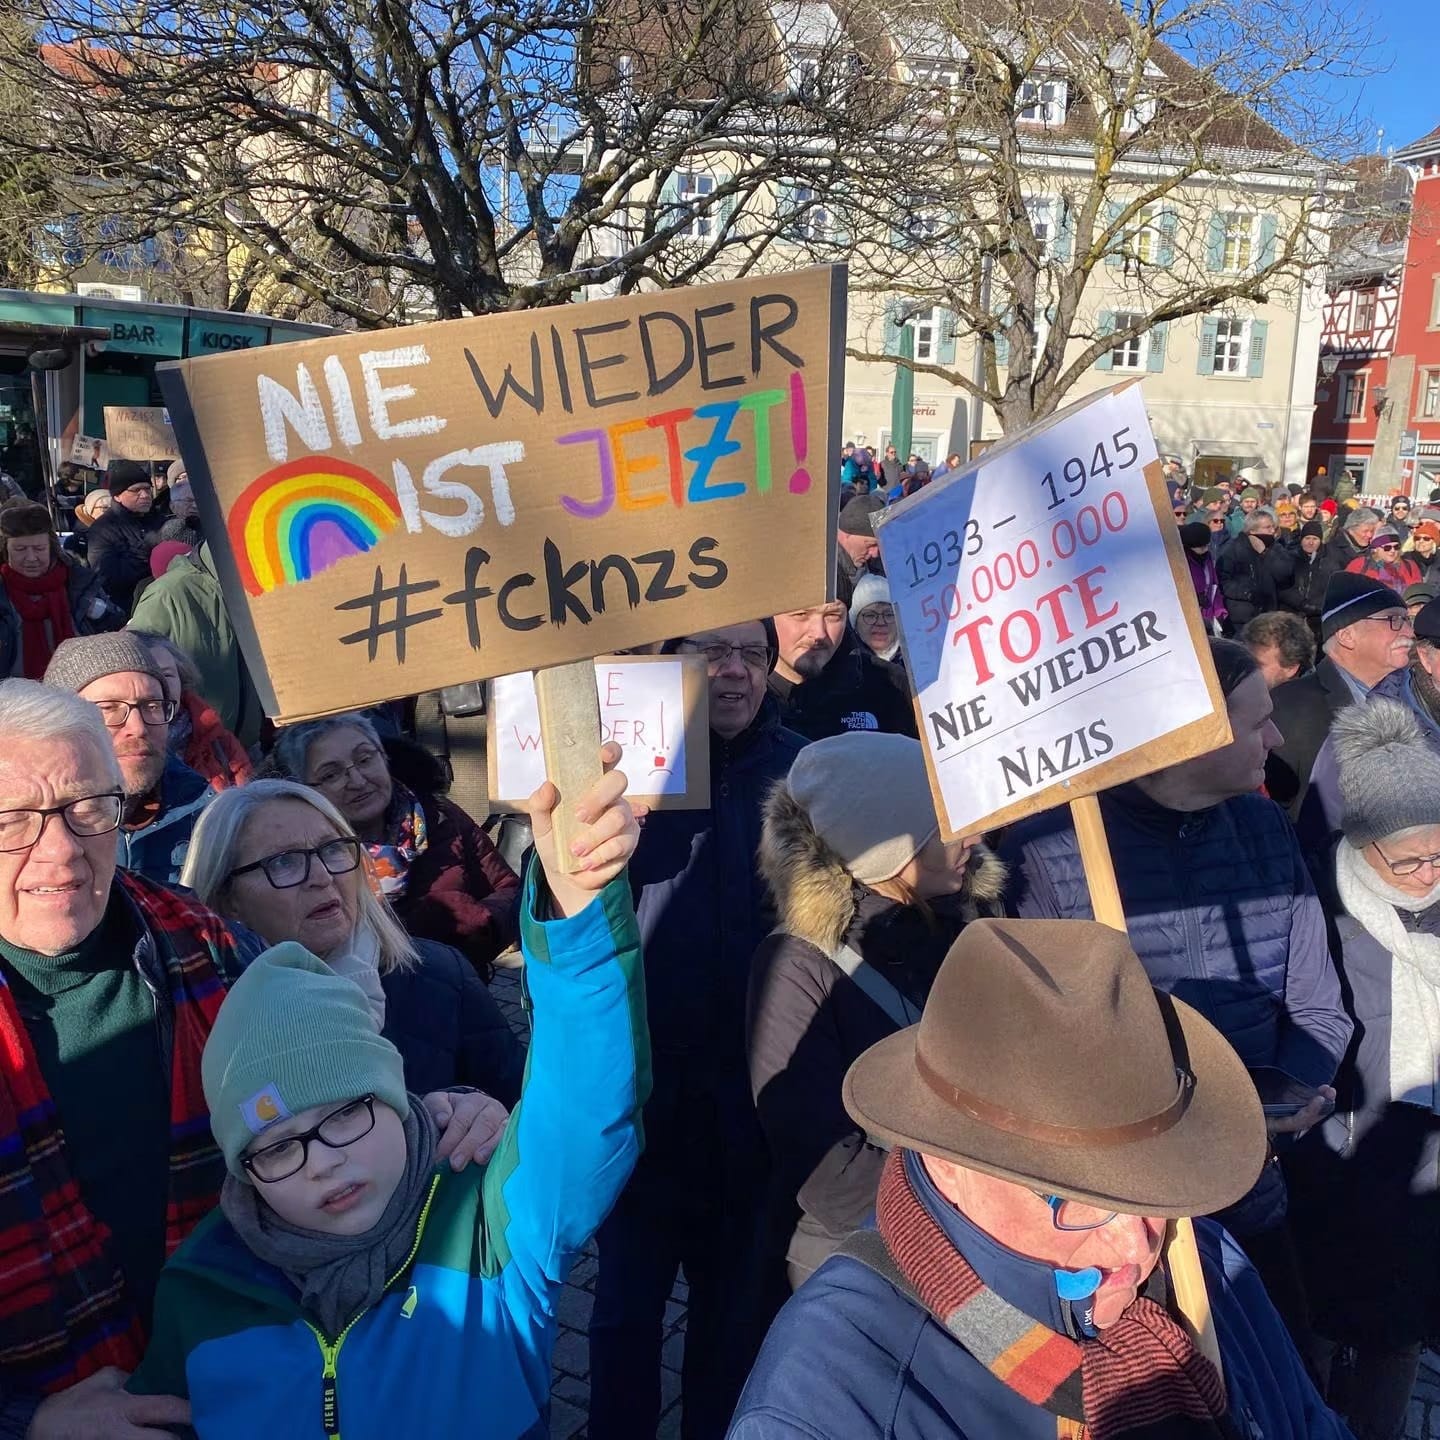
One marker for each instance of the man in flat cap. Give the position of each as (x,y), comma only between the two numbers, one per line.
(1048,1115)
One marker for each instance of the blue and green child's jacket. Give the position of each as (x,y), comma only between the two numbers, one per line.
(461,1341)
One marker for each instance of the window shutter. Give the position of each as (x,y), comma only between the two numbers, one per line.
(1064,230)
(1115,257)
(1107,327)
(1208,332)
(945,350)
(1165,227)
(787,208)
(1002,339)
(1215,246)
(1155,356)
(1267,241)
(892,330)
(1259,329)
(725,209)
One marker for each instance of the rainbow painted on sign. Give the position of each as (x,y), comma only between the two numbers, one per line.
(302,517)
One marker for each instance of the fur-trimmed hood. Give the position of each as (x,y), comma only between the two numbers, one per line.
(815,895)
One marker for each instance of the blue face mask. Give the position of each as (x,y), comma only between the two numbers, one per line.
(1077,1290)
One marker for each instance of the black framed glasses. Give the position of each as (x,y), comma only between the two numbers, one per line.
(875,614)
(1396,622)
(1071,1215)
(338,1129)
(289,868)
(1408,867)
(115,713)
(718,652)
(87,816)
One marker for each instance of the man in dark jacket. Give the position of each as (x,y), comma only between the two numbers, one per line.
(1253,569)
(826,681)
(120,541)
(1047,1115)
(1222,913)
(1354,536)
(163,796)
(857,551)
(1315,563)
(697,1194)
(1365,633)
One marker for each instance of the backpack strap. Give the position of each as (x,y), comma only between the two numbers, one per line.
(868,1249)
(883,992)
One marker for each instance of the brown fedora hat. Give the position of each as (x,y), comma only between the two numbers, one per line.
(1045,1056)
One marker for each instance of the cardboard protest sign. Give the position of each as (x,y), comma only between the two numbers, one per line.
(655,707)
(1050,627)
(89,451)
(140,432)
(401,511)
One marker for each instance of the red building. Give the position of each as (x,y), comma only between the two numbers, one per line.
(1360,331)
(1415,365)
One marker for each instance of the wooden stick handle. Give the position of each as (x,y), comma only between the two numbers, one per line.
(570,738)
(1181,1253)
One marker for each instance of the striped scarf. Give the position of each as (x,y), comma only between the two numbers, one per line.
(1143,1377)
(64,1313)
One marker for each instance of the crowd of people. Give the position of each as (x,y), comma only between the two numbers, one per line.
(911,1125)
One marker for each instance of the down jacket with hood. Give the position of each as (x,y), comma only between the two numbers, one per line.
(808,1020)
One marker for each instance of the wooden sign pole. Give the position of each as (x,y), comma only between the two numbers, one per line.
(570,737)
(1181,1252)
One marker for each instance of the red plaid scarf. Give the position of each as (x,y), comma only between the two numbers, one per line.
(1142,1377)
(63,1309)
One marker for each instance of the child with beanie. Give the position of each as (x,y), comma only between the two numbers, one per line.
(351,1284)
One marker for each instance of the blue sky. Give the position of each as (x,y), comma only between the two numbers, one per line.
(1405,99)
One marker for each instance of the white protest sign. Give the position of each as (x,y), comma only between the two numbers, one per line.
(653,707)
(1049,624)
(89,451)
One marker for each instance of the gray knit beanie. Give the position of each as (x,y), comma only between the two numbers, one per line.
(1389,771)
(868,798)
(85,658)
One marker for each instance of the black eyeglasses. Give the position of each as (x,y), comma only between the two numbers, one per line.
(1396,622)
(87,816)
(1408,867)
(718,652)
(290,868)
(116,713)
(338,1129)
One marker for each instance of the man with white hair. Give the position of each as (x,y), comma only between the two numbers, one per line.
(109,985)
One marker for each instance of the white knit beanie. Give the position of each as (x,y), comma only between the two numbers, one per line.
(868,798)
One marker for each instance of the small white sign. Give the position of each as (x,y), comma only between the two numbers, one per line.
(89,451)
(1045,627)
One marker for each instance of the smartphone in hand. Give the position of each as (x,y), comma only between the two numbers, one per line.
(1282,1095)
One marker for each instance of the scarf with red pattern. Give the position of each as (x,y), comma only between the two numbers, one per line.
(1143,1376)
(43,605)
(406,838)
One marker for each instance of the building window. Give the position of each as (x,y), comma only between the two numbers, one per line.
(1435,304)
(919,223)
(1429,395)
(1144,240)
(934,73)
(1231,347)
(694,189)
(1238,247)
(1364,315)
(1042,222)
(1042,102)
(811,220)
(1139,115)
(1352,396)
(1354,467)
(927,335)
(1131,353)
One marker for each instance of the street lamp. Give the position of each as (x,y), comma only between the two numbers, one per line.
(1329,364)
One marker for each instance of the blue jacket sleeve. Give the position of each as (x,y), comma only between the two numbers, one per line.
(1314,1030)
(576,1134)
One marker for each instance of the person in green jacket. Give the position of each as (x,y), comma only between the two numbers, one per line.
(350,1283)
(187,606)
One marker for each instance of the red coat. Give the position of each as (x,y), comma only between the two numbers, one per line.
(213,751)
(1397,576)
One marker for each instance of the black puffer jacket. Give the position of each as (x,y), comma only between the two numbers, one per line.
(448,1028)
(1305,594)
(118,548)
(855,691)
(808,1020)
(1253,579)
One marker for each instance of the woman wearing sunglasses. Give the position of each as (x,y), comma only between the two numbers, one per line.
(1382,560)
(281,859)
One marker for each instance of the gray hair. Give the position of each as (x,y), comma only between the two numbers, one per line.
(32,711)
(211,858)
(190,681)
(1253,519)
(292,748)
(1361,516)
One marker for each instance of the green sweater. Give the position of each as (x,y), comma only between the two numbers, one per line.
(91,1019)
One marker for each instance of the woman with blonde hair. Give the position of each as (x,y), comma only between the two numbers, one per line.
(278,857)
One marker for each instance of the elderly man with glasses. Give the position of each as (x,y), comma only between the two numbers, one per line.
(109,985)
(163,796)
